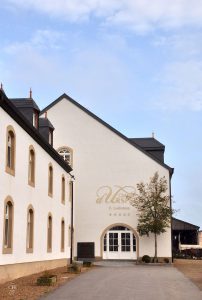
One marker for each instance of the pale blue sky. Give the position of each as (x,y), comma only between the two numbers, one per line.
(137,64)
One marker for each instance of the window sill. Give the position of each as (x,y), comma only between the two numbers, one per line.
(29,250)
(7,251)
(31,183)
(10,171)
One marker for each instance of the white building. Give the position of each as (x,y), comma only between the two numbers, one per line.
(36,187)
(107,166)
(34,192)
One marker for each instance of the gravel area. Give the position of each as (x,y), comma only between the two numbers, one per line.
(25,288)
(191,269)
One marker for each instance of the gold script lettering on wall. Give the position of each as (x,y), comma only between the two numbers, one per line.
(119,194)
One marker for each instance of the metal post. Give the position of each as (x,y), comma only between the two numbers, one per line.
(72,220)
(171,223)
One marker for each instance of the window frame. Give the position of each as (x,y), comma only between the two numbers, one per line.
(8,250)
(50,137)
(50,180)
(62,235)
(63,189)
(49,235)
(31,167)
(35,119)
(71,186)
(69,236)
(70,150)
(31,233)
(11,169)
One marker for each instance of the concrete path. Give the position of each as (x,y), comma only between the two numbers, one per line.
(128,283)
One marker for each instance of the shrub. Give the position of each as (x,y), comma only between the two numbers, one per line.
(87,264)
(166,260)
(146,259)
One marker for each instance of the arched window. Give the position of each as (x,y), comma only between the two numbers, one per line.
(62,235)
(67,154)
(70,190)
(8,226)
(31,168)
(50,180)
(30,229)
(63,190)
(49,234)
(10,150)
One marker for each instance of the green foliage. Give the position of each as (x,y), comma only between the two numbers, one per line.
(87,264)
(146,259)
(166,260)
(153,205)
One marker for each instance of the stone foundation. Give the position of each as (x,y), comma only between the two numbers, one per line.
(14,271)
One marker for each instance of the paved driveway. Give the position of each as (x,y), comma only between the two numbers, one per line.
(128,282)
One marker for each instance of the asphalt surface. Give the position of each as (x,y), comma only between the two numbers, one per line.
(128,282)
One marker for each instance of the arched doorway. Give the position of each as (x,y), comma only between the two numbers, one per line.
(119,242)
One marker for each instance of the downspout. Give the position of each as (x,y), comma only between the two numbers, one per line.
(171,223)
(72,217)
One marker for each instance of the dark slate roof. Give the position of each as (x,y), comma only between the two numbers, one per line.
(133,143)
(44,122)
(182,225)
(149,143)
(24,103)
(15,114)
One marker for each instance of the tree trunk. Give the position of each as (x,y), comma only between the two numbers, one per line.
(155,255)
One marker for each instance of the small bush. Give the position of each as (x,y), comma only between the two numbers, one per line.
(87,264)
(166,260)
(146,259)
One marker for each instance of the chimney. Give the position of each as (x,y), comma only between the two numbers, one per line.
(30,93)
(153,135)
(1,87)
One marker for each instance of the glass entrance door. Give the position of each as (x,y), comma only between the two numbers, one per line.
(119,243)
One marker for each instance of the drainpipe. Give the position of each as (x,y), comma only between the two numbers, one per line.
(72,217)
(171,218)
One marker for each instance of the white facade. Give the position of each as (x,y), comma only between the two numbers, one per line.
(106,168)
(23,195)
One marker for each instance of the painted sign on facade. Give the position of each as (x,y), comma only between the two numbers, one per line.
(116,195)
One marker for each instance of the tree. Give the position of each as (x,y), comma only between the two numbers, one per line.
(153,205)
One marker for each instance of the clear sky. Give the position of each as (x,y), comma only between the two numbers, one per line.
(137,64)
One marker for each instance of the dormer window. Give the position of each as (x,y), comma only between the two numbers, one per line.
(35,119)
(46,129)
(50,137)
